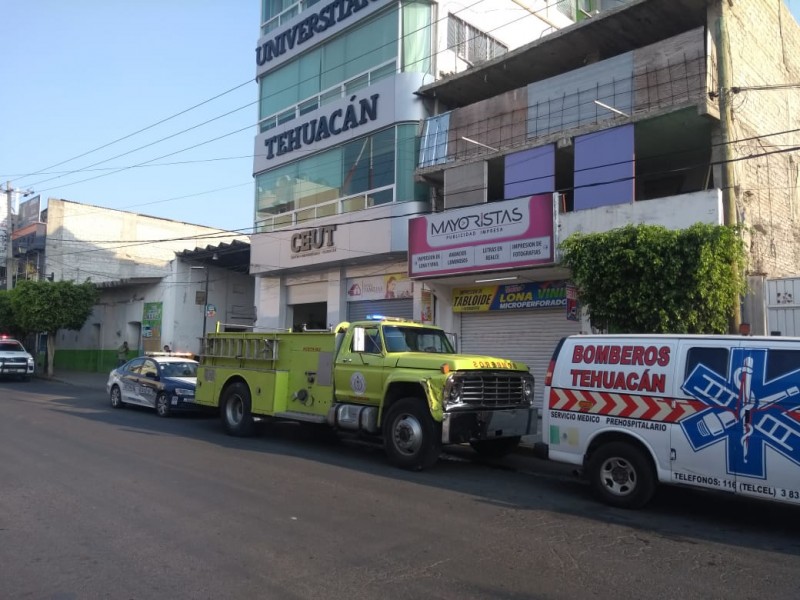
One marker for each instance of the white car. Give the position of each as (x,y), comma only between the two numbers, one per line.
(166,383)
(15,361)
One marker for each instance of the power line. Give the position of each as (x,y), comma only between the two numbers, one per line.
(333,67)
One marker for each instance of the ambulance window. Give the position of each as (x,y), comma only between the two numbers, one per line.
(715,359)
(781,362)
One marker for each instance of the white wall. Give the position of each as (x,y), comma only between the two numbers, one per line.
(674,212)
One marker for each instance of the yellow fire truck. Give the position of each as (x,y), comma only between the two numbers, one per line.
(387,379)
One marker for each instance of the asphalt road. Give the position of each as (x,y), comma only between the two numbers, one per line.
(98,503)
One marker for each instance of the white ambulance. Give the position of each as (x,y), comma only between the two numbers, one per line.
(719,412)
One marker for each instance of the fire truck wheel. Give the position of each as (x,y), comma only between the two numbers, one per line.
(162,405)
(495,448)
(410,435)
(621,475)
(236,413)
(116,397)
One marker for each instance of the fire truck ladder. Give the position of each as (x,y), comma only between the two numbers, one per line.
(238,347)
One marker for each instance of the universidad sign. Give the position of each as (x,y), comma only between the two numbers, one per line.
(542,294)
(497,235)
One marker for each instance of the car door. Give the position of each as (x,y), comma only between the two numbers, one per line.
(359,368)
(129,381)
(149,382)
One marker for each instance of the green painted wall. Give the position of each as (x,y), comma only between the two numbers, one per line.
(99,361)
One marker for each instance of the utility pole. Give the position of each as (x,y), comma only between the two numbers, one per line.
(727,170)
(9,229)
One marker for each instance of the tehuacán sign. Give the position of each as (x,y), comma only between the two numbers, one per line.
(321,128)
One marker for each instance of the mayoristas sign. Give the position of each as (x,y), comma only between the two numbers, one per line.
(497,235)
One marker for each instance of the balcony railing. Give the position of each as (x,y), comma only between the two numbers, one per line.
(286,15)
(347,204)
(336,92)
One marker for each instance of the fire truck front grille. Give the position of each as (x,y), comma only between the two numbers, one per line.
(492,389)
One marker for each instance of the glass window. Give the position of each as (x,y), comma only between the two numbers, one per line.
(782,362)
(179,369)
(715,359)
(135,365)
(149,368)
(417,37)
(354,52)
(416,339)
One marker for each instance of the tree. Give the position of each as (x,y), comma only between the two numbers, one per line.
(649,279)
(8,321)
(50,306)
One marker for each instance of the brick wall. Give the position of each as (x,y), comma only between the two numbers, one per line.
(765,51)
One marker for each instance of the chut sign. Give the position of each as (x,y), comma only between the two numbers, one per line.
(313,239)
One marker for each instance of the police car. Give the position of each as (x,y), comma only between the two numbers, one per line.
(14,360)
(164,382)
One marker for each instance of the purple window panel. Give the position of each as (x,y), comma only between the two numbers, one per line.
(604,168)
(530,172)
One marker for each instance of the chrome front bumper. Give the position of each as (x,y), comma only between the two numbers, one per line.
(468,425)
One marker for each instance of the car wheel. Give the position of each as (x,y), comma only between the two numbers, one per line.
(495,448)
(410,435)
(162,405)
(236,409)
(116,397)
(621,475)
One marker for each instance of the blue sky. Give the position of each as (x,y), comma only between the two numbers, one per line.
(79,75)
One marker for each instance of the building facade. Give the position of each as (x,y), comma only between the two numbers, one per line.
(654,112)
(338,144)
(161,282)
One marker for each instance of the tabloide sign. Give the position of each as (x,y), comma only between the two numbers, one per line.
(484,237)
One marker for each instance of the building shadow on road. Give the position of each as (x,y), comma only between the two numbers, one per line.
(519,481)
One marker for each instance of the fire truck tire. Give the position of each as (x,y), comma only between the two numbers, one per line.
(410,435)
(621,475)
(495,448)
(162,406)
(116,397)
(236,410)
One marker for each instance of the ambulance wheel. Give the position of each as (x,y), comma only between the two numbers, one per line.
(162,405)
(410,435)
(495,448)
(621,474)
(235,410)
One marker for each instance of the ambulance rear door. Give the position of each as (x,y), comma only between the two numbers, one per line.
(704,422)
(765,446)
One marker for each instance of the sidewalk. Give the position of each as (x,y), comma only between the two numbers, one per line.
(96,381)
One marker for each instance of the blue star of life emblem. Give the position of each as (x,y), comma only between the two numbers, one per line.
(745,411)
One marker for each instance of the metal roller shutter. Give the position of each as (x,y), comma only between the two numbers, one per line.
(525,336)
(403,308)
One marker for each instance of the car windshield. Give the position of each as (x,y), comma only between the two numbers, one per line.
(11,346)
(179,369)
(416,339)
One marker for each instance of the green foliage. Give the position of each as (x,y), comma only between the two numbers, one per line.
(49,306)
(649,279)
(8,322)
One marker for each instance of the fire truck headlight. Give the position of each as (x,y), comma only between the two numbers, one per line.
(452,391)
(527,389)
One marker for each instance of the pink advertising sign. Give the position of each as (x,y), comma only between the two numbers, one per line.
(484,237)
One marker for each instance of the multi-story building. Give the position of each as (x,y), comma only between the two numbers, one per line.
(337,147)
(657,112)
